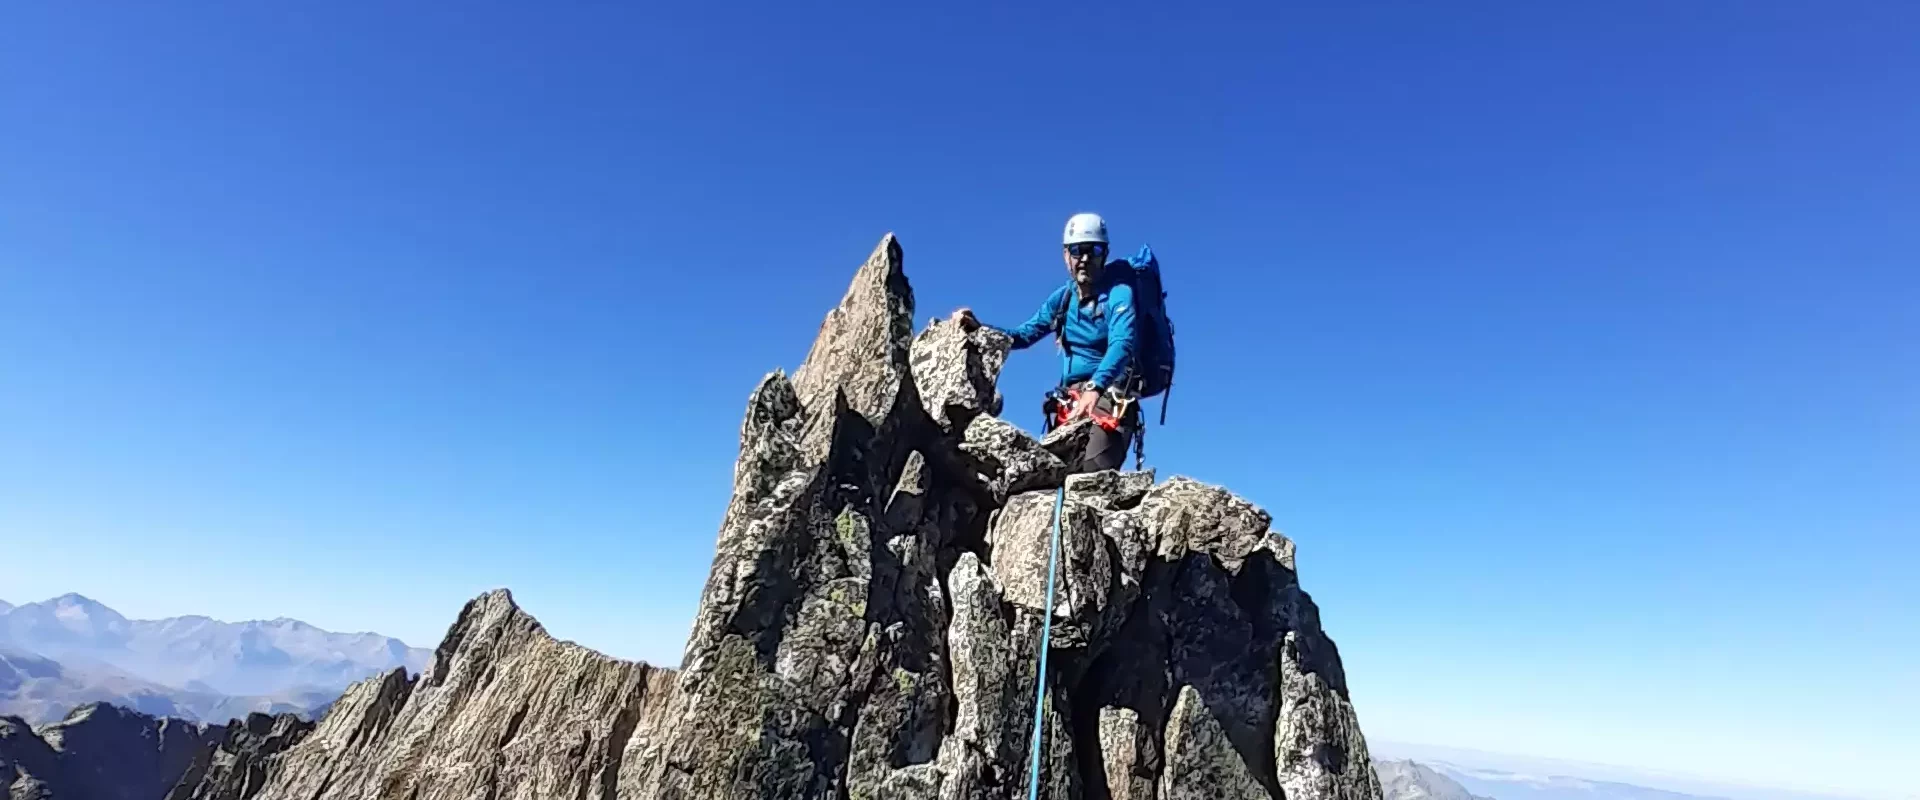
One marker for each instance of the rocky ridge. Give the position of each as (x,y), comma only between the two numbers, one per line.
(104,752)
(871,622)
(239,764)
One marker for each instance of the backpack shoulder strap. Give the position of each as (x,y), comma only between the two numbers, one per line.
(1065,293)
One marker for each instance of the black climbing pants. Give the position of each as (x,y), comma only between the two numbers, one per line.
(1108,449)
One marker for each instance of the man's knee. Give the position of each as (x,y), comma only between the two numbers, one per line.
(1105,450)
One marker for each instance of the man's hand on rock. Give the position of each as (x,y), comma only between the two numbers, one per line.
(965,319)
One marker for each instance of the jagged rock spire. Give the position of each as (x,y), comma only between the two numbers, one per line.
(871,618)
(504,710)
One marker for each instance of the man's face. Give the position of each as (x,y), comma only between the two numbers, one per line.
(1084,260)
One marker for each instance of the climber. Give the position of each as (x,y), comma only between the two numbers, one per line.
(1096,335)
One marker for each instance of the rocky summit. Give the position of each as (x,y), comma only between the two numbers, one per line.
(871,623)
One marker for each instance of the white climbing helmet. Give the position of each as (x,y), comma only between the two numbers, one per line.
(1085,228)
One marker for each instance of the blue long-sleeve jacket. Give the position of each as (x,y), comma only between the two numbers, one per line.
(1100,337)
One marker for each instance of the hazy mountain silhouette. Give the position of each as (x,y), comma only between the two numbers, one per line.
(40,690)
(65,652)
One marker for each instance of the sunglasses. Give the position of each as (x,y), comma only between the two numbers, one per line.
(1079,249)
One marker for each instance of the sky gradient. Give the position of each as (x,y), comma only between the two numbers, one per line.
(1573,345)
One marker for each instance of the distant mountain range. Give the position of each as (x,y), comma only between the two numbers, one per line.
(1406,779)
(1433,772)
(39,689)
(65,652)
(1507,785)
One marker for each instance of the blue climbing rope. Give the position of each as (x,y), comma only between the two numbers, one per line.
(1046,636)
(1053,550)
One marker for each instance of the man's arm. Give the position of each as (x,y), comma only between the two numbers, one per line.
(1120,330)
(1037,326)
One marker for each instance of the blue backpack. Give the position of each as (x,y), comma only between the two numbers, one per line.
(1153,331)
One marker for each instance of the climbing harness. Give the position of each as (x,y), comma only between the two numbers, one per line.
(1060,403)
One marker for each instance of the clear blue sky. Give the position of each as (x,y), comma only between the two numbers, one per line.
(1574,345)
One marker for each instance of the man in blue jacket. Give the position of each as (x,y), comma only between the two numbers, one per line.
(1092,318)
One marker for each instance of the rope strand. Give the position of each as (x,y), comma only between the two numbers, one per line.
(1046,641)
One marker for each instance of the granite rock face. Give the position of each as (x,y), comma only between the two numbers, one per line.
(871,624)
(955,371)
